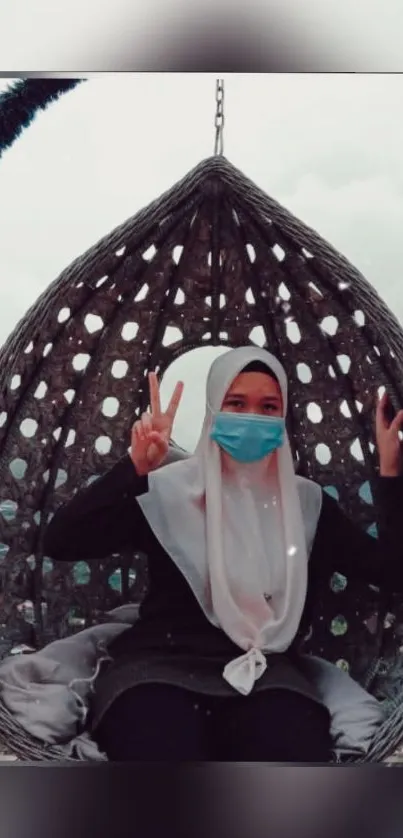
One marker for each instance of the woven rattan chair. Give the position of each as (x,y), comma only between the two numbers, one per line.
(214,261)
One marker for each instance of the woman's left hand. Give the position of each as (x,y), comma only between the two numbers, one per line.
(388,440)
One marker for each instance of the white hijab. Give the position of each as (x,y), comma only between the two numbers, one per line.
(241,539)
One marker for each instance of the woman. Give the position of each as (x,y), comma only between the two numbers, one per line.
(237,547)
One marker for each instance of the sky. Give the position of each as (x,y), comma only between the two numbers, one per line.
(327,147)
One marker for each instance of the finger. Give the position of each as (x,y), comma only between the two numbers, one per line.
(158,447)
(155,401)
(138,431)
(175,400)
(382,402)
(146,423)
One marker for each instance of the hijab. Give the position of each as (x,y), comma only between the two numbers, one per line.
(242,537)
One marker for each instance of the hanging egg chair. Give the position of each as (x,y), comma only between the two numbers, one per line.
(212,262)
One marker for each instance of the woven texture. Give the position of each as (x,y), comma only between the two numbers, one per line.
(214,261)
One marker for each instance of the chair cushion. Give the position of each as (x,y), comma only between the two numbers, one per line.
(355,714)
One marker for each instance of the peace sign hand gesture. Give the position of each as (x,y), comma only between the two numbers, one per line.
(151,434)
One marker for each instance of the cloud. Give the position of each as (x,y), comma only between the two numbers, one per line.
(326,147)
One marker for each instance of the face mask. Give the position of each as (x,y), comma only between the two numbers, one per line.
(247,437)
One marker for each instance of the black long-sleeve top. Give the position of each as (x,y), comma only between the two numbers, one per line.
(104,518)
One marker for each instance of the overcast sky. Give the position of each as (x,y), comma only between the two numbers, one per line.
(328,147)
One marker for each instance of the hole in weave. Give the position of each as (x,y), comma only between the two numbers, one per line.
(314,413)
(278,252)
(18,468)
(331,371)
(177,253)
(377,351)
(359,406)
(93,323)
(81,573)
(100,282)
(8,509)
(223,300)
(339,626)
(359,317)
(76,618)
(41,390)
(304,373)
(70,439)
(4,548)
(57,432)
(251,252)
(26,609)
(307,254)
(130,330)
(29,348)
(61,477)
(171,335)
(47,566)
(323,454)
(28,428)
(48,348)
(119,369)
(332,491)
(31,562)
(329,325)
(283,292)
(80,361)
(142,293)
(341,663)
(179,298)
(257,336)
(103,444)
(343,285)
(356,451)
(69,395)
(338,583)
(315,288)
(373,530)
(249,297)
(344,363)
(365,493)
(115,580)
(345,410)
(293,332)
(110,406)
(3,418)
(149,254)
(64,314)
(223,335)
(15,382)
(206,336)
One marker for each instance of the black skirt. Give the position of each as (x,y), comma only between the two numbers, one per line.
(194,661)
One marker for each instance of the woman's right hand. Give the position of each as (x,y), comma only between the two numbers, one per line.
(151,434)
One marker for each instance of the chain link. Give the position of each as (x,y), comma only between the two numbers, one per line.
(219,118)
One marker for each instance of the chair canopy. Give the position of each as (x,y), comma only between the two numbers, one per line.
(214,261)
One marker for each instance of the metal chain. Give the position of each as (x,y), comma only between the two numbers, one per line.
(219,118)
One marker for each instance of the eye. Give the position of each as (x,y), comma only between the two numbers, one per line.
(234,403)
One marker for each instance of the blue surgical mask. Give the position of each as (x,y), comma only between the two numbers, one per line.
(247,437)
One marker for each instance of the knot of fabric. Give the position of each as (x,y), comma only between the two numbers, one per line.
(242,672)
